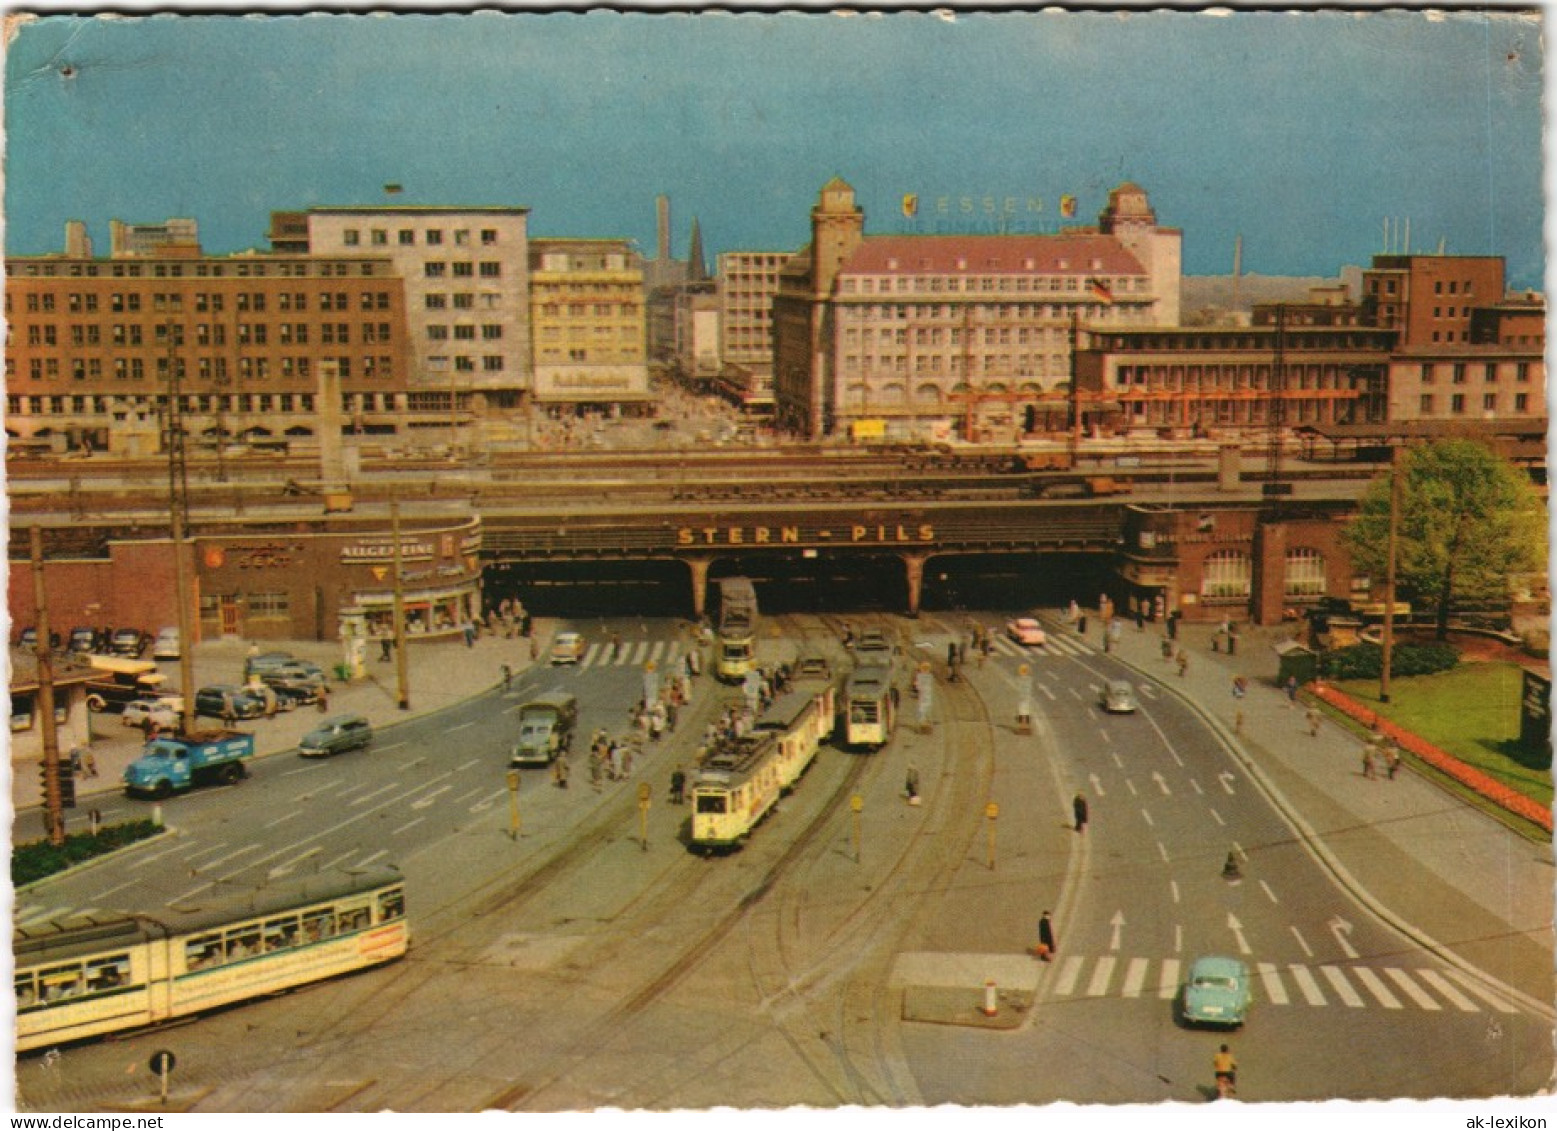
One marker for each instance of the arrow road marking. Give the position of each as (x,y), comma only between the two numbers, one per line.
(431,797)
(1117,922)
(1227,780)
(1162,784)
(1342,930)
(1236,928)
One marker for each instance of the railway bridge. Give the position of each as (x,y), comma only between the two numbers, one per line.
(701,535)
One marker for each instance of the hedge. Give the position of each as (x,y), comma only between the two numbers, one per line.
(33,861)
(1366,661)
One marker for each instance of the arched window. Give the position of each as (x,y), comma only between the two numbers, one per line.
(1226,576)
(1305,574)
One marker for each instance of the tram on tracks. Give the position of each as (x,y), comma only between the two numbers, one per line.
(870,700)
(740,781)
(736,650)
(88,976)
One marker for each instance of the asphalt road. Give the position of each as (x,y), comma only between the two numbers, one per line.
(593,961)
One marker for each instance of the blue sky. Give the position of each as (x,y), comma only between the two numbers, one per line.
(1302,132)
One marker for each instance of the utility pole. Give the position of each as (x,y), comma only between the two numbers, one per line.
(53,795)
(1389,572)
(178,515)
(401,663)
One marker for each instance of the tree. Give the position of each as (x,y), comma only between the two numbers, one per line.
(1467,523)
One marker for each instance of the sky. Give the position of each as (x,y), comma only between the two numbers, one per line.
(1316,137)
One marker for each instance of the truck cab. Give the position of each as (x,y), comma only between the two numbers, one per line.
(546,725)
(174,763)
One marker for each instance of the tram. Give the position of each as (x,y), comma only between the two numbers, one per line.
(85,976)
(869,707)
(740,782)
(736,653)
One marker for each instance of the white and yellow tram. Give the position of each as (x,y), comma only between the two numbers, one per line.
(739,783)
(869,706)
(736,640)
(83,977)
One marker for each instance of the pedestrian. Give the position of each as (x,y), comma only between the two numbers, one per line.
(323,700)
(559,771)
(1240,686)
(76,766)
(911,786)
(508,676)
(1292,689)
(1046,944)
(1183,662)
(1079,808)
(91,765)
(1081,624)
(1367,762)
(1313,722)
(616,647)
(383,648)
(678,786)
(470,634)
(1391,759)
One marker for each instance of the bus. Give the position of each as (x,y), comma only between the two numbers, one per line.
(84,976)
(736,641)
(869,707)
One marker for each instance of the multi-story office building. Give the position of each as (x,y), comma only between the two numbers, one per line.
(747,281)
(177,236)
(94,344)
(1429,298)
(587,317)
(466,272)
(905,336)
(1467,384)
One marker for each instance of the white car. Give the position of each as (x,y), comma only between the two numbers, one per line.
(1026,631)
(163,712)
(166,646)
(567,648)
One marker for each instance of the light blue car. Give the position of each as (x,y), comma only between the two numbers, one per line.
(1217,992)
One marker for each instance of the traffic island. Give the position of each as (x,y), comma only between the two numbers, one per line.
(966,1005)
(982,991)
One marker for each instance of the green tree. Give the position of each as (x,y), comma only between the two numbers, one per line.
(1468,521)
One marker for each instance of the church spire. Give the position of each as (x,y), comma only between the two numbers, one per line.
(697,268)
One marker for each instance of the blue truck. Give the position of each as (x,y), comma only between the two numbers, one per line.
(175,762)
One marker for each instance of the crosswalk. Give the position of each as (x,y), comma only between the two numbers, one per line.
(663,654)
(1055,644)
(1351,986)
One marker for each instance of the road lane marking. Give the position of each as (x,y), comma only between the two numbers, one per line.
(1497,1003)
(1302,942)
(1270,895)
(1135,977)
(369,796)
(1196,786)
(190,894)
(1306,983)
(488,801)
(468,794)
(1415,992)
(1217,816)
(1162,783)
(1342,987)
(366,860)
(1444,987)
(1173,885)
(407,825)
(328,865)
(290,866)
(424,802)
(231,855)
(1375,986)
(1069,972)
(468,765)
(217,847)
(141,862)
(1130,785)
(287,816)
(1275,988)
(461,726)
(1102,974)
(1168,980)
(117,887)
(1148,817)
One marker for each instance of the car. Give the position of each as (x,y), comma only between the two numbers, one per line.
(293,693)
(295,670)
(166,646)
(28,638)
(129,642)
(336,736)
(1117,697)
(164,713)
(1216,992)
(1026,631)
(265,661)
(85,640)
(224,701)
(567,648)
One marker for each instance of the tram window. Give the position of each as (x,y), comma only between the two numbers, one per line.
(391,905)
(61,982)
(26,991)
(318,925)
(107,973)
(280,933)
(202,951)
(243,941)
(712,803)
(353,918)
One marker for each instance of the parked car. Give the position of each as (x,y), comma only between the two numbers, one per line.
(224,701)
(336,736)
(129,642)
(85,640)
(1217,992)
(163,712)
(265,661)
(293,693)
(567,648)
(1117,697)
(296,671)
(166,646)
(1026,631)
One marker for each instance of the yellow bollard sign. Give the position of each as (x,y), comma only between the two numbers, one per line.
(645,793)
(992,811)
(513,804)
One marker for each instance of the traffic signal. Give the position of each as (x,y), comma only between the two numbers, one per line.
(67,785)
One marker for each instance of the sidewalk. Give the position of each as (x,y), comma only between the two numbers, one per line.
(441,673)
(1489,895)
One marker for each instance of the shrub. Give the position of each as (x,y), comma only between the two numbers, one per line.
(1366,661)
(32,862)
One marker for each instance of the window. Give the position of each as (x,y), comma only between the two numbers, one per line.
(491,270)
(1305,575)
(1457,403)
(1227,576)
(435,270)
(436,302)
(434,237)
(1489,402)
(407,237)
(488,236)
(1425,406)
(351,237)
(462,270)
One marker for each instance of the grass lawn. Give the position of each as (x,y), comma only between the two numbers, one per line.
(1473,713)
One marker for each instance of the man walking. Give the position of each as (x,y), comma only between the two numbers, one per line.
(1079,808)
(1046,943)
